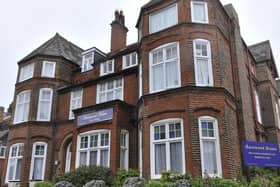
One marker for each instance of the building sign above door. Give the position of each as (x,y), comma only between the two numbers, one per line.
(95,117)
(261,154)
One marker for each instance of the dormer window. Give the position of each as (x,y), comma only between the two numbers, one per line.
(107,67)
(88,59)
(130,60)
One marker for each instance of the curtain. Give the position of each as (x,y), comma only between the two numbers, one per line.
(104,158)
(199,12)
(176,157)
(38,169)
(160,158)
(209,157)
(83,158)
(18,169)
(158,77)
(172,74)
(93,158)
(202,71)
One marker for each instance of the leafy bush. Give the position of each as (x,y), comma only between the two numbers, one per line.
(123,174)
(43,184)
(84,174)
(172,177)
(227,183)
(256,183)
(157,183)
(276,182)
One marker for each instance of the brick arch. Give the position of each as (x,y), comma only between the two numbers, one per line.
(62,152)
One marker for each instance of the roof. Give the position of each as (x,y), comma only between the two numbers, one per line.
(262,52)
(59,47)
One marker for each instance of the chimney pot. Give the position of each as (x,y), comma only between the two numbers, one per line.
(117,15)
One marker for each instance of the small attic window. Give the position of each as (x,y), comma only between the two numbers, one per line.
(88,59)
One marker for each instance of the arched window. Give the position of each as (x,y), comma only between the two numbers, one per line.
(165,67)
(45,104)
(210,147)
(167,147)
(14,162)
(68,157)
(22,107)
(203,63)
(38,162)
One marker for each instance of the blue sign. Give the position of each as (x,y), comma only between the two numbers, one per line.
(95,117)
(261,154)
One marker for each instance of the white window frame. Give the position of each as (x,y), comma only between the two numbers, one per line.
(44,74)
(114,90)
(215,139)
(2,150)
(25,103)
(126,148)
(277,114)
(38,156)
(50,104)
(209,60)
(71,114)
(104,67)
(159,12)
(205,9)
(22,72)
(16,158)
(87,65)
(258,106)
(68,158)
(130,55)
(164,62)
(167,142)
(98,148)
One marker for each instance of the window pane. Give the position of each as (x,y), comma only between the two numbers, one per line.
(174,130)
(209,157)
(94,140)
(158,77)
(104,158)
(171,52)
(38,169)
(123,158)
(127,60)
(160,158)
(93,158)
(159,133)
(48,69)
(84,142)
(172,77)
(202,72)
(133,58)
(105,139)
(83,158)
(199,12)
(11,168)
(176,157)
(18,169)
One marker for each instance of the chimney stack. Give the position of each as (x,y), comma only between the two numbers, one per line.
(1,114)
(118,32)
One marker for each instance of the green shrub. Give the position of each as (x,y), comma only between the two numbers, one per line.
(84,174)
(276,182)
(172,177)
(123,174)
(256,183)
(43,184)
(157,183)
(227,183)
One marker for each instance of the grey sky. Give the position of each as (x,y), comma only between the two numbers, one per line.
(27,24)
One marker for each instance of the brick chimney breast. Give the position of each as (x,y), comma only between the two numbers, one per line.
(118,32)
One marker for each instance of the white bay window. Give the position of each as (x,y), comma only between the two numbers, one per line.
(26,72)
(203,63)
(110,90)
(45,104)
(165,67)
(167,147)
(93,148)
(14,163)
(199,10)
(22,107)
(75,102)
(38,161)
(210,147)
(164,18)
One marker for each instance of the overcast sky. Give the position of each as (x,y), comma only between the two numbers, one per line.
(25,25)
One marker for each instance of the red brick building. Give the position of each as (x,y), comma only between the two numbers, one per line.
(182,98)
